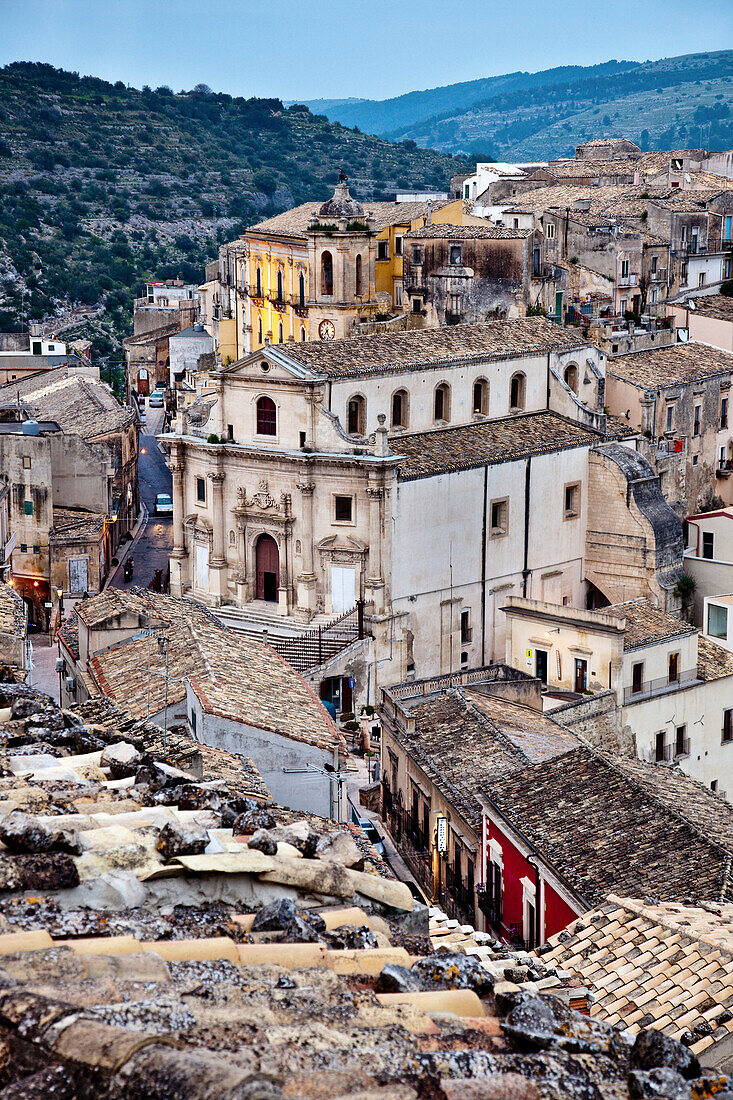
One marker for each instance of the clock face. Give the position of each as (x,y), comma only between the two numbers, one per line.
(326,330)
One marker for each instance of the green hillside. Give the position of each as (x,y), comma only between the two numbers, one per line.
(672,103)
(103,186)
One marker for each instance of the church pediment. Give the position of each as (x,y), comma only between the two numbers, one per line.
(339,544)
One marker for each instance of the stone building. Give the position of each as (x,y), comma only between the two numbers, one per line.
(313,272)
(468,273)
(678,398)
(428,474)
(60,508)
(673,685)
(14,647)
(84,407)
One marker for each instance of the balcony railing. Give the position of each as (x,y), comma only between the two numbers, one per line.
(660,685)
(491,907)
(682,748)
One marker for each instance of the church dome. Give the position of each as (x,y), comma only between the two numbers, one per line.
(341,205)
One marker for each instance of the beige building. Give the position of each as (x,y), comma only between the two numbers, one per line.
(674,685)
(428,474)
(678,398)
(706,320)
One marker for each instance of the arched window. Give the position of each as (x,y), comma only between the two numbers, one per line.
(571,376)
(259,330)
(480,396)
(266,416)
(441,403)
(326,273)
(358,275)
(258,281)
(400,409)
(517,391)
(302,333)
(280,293)
(301,289)
(280,333)
(356,415)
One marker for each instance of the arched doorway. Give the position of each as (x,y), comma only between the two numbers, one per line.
(267,568)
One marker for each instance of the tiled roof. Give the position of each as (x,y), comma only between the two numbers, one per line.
(661,368)
(570,169)
(612,824)
(647,624)
(467,232)
(78,404)
(536,735)
(487,443)
(360,355)
(620,201)
(69,635)
(717,306)
(714,661)
(238,773)
(13,616)
(72,523)
(293,223)
(233,676)
(667,966)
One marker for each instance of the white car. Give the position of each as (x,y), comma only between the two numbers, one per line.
(163,505)
(155,401)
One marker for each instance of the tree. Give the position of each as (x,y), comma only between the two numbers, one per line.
(265,182)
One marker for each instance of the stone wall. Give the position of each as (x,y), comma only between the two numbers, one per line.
(597,718)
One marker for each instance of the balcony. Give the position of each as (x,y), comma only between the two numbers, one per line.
(724,467)
(299,306)
(491,907)
(660,686)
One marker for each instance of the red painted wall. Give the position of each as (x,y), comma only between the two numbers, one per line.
(557,914)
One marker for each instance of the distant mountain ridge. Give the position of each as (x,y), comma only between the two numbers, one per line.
(671,102)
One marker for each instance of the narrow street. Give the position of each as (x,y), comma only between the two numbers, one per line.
(155,542)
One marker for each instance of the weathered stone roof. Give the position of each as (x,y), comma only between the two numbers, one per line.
(72,523)
(464,739)
(490,442)
(660,368)
(294,223)
(360,355)
(717,306)
(80,405)
(233,676)
(440,231)
(647,624)
(610,823)
(664,965)
(714,661)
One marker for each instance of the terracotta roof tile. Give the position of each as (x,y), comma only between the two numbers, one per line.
(662,368)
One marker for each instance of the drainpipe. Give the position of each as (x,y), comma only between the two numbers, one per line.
(525,569)
(483,569)
(547,397)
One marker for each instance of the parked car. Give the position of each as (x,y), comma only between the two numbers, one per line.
(156,400)
(163,505)
(372,834)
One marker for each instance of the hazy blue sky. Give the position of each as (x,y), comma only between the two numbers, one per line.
(338,48)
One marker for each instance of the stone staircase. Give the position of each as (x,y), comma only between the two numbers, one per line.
(304,646)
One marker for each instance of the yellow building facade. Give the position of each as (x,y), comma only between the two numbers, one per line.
(266,290)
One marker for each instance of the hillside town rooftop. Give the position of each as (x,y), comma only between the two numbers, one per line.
(613,823)
(647,624)
(362,355)
(444,231)
(488,443)
(295,222)
(660,368)
(80,405)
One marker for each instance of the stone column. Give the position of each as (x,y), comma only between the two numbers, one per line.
(177,468)
(218,564)
(375,580)
(306,606)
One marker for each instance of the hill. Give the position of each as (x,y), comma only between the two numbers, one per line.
(670,103)
(104,186)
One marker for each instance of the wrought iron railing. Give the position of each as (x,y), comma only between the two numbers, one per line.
(314,647)
(661,684)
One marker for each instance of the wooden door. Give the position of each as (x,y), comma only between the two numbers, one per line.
(268,569)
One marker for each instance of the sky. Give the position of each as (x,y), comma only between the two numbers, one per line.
(308,49)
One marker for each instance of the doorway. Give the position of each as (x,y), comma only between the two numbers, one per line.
(581,675)
(343,589)
(541,665)
(267,569)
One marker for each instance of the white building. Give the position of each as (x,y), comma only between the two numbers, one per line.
(427,474)
(673,685)
(709,556)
